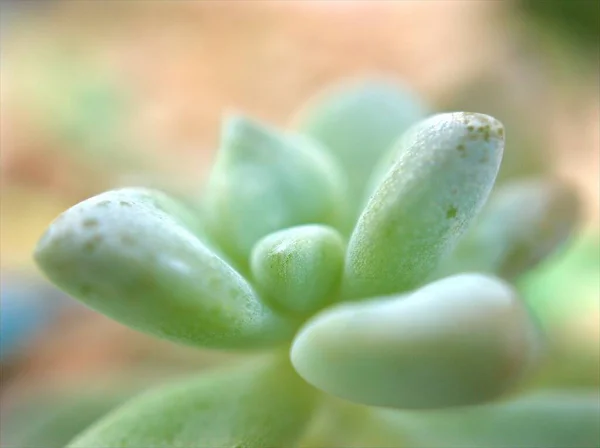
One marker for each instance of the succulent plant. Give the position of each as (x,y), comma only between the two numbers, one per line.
(355,253)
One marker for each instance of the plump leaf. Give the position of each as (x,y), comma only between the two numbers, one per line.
(441,178)
(523,223)
(544,419)
(125,254)
(259,405)
(52,420)
(299,269)
(358,123)
(459,341)
(265,181)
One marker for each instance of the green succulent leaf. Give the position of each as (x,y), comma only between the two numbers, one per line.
(444,172)
(265,181)
(358,122)
(543,419)
(299,269)
(53,424)
(523,223)
(263,404)
(125,254)
(459,341)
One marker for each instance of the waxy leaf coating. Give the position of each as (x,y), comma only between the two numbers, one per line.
(358,123)
(262,404)
(298,270)
(265,181)
(123,254)
(364,205)
(521,225)
(443,175)
(462,340)
(540,419)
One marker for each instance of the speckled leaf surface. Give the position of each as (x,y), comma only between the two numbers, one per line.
(441,179)
(123,254)
(522,224)
(299,269)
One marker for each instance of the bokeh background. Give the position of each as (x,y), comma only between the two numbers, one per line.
(101,94)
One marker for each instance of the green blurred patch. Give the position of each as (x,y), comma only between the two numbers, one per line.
(564,294)
(577,21)
(567,284)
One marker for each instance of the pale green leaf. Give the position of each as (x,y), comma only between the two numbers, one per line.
(541,419)
(265,181)
(441,178)
(52,422)
(358,122)
(299,269)
(260,405)
(460,341)
(523,223)
(125,254)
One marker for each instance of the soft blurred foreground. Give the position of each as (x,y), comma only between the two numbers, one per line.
(97,95)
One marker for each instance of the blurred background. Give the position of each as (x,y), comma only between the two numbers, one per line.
(101,94)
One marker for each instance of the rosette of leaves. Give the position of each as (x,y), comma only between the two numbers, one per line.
(342,251)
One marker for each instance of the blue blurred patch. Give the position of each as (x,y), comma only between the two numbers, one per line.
(26,307)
